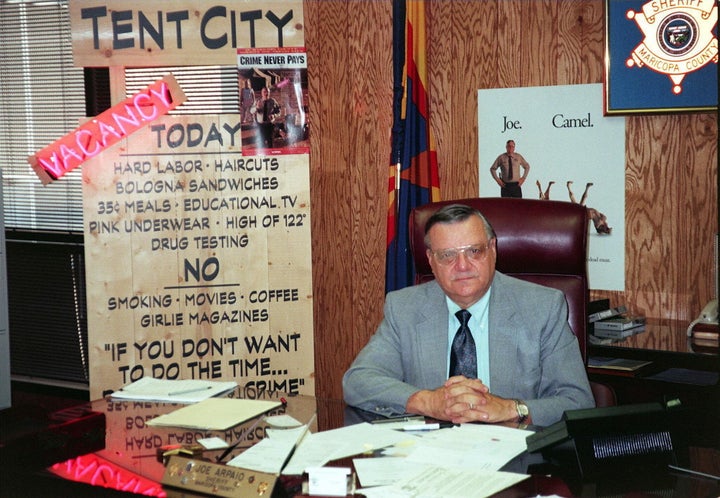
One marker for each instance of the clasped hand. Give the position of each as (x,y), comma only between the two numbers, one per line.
(462,400)
(469,400)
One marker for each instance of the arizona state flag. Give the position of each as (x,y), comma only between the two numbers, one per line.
(414,178)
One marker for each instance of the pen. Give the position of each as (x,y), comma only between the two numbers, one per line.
(428,427)
(188,391)
(404,418)
(297,443)
(242,437)
(693,472)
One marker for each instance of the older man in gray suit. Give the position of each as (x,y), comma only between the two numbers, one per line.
(508,356)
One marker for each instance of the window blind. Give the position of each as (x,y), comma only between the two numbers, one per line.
(208,89)
(42,98)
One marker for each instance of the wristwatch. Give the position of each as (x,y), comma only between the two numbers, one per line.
(522,411)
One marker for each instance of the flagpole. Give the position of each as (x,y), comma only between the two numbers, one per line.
(397,191)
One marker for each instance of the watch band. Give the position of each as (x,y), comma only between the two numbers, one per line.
(522,411)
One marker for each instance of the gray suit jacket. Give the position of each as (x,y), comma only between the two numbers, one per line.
(534,355)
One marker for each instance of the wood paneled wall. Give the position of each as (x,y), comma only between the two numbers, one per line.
(671,160)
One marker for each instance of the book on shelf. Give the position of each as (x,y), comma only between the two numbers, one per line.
(705,336)
(619,323)
(705,330)
(616,363)
(602,341)
(705,346)
(608,313)
(706,327)
(618,334)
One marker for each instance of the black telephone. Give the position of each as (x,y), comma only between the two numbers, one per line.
(709,314)
(611,439)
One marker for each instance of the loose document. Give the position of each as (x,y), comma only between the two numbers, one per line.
(173,391)
(461,461)
(215,414)
(458,461)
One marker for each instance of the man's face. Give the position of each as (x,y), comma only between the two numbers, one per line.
(465,279)
(510,147)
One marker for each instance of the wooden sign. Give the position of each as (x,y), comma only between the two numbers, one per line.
(182,32)
(198,259)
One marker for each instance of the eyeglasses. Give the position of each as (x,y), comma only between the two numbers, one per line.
(474,252)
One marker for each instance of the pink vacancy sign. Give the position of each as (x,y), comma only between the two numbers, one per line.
(106,129)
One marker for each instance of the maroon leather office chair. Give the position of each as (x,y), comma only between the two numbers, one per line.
(545,242)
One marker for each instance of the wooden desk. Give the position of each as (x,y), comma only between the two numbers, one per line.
(128,462)
(663,335)
(666,345)
(677,370)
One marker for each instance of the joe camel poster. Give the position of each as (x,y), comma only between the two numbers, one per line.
(575,153)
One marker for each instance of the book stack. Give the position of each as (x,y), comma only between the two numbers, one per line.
(705,335)
(606,313)
(619,366)
(615,323)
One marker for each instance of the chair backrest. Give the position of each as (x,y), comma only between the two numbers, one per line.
(540,241)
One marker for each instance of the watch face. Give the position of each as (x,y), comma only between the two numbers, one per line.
(523,409)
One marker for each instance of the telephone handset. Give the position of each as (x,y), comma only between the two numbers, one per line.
(709,314)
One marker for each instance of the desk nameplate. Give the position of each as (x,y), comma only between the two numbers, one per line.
(216,479)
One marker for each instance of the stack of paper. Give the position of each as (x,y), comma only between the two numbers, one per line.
(173,391)
(215,414)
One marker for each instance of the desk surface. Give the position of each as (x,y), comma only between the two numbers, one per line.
(133,445)
(129,461)
(664,341)
(663,335)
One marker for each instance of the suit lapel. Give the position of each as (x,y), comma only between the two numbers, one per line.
(502,321)
(431,337)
